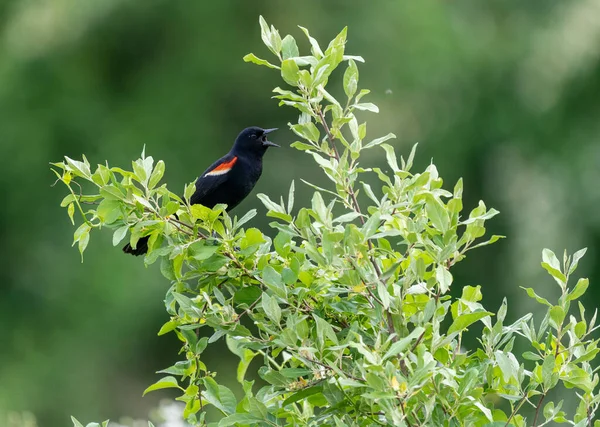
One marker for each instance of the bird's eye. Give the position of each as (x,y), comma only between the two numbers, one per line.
(253,136)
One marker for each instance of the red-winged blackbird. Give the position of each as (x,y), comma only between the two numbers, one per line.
(228,180)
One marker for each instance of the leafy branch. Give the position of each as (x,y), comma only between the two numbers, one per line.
(347,307)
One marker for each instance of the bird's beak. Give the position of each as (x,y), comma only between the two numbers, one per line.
(267,142)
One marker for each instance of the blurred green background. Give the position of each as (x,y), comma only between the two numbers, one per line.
(502,93)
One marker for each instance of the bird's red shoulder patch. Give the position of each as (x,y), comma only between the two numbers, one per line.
(222,168)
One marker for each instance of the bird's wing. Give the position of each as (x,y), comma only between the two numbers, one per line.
(213,178)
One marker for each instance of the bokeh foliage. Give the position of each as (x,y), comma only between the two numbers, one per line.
(500,93)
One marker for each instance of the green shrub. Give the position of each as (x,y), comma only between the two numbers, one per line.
(347,307)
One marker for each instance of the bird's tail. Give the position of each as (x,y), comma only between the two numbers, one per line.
(141,247)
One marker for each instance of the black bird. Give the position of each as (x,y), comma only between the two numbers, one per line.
(228,180)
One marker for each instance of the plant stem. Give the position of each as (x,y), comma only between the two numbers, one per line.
(514,412)
(537,409)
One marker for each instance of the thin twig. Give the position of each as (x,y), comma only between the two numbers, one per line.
(514,412)
(170,218)
(328,132)
(404,412)
(417,342)
(183,231)
(537,409)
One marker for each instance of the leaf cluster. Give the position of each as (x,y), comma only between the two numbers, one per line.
(347,308)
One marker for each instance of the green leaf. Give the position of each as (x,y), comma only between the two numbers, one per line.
(273,377)
(536,297)
(201,345)
(301,146)
(575,261)
(166,382)
(157,174)
(289,48)
(473,294)
(529,355)
(140,171)
(557,314)
(390,155)
(69,198)
(350,216)
(109,211)
(290,72)
(167,327)
(316,50)
(549,258)
(548,370)
(436,213)
(143,201)
(82,237)
(266,33)
(112,192)
(202,250)
(271,308)
(295,372)
(247,295)
(579,289)
(557,274)
(509,366)
(247,217)
(371,226)
(240,419)
(463,321)
(367,106)
(71,212)
(324,330)
(406,166)
(274,282)
(187,305)
(269,204)
(379,141)
(307,131)
(252,58)
(302,394)
(189,191)
(444,278)
(119,234)
(403,343)
(351,79)
(78,168)
(219,396)
(75,422)
(290,204)
(318,205)
(492,240)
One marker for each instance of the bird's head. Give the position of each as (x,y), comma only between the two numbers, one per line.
(254,140)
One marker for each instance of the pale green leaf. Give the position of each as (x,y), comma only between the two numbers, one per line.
(166,382)
(379,141)
(350,81)
(367,106)
(579,289)
(289,48)
(252,58)
(403,343)
(463,321)
(119,234)
(290,72)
